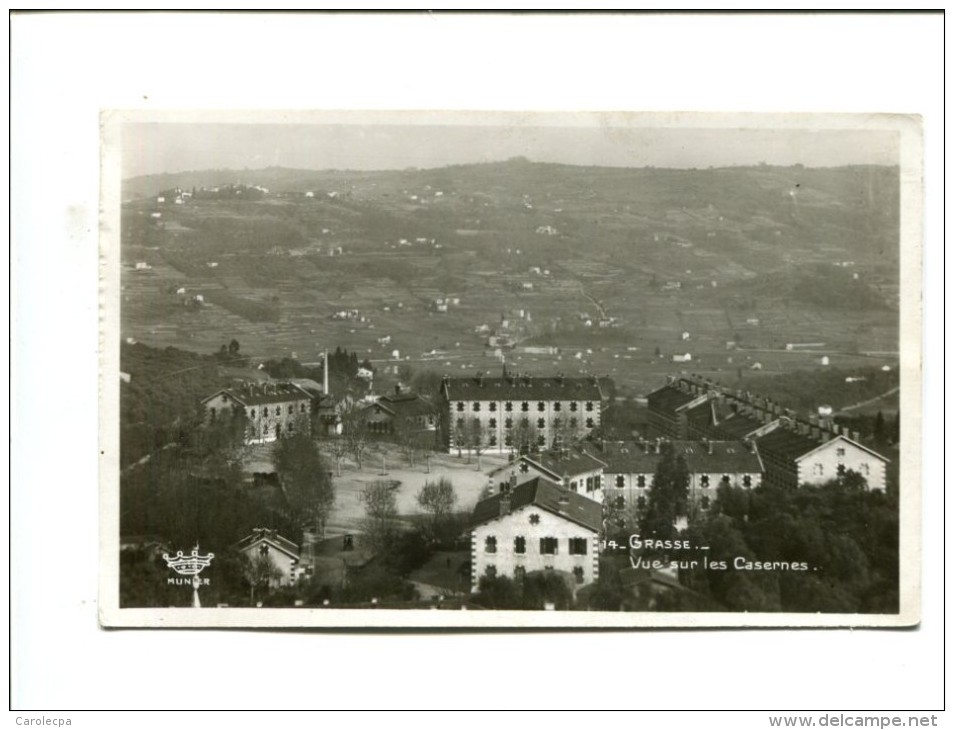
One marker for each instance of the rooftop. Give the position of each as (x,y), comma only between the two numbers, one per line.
(272,537)
(569,462)
(786,444)
(669,398)
(522,387)
(253,394)
(541,493)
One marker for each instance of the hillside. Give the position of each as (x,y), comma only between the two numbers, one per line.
(756,256)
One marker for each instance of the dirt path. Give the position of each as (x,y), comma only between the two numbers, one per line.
(868,402)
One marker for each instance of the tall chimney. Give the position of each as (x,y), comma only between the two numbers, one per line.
(324,380)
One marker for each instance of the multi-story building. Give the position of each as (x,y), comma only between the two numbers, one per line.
(535,526)
(271,409)
(401,410)
(519,413)
(630,469)
(575,469)
(794,451)
(283,554)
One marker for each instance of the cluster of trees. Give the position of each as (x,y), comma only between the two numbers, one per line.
(533,592)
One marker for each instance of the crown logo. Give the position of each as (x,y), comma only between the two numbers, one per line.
(188,564)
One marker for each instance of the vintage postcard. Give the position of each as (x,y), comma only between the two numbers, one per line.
(472,369)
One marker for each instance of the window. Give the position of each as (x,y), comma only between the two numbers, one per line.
(577,546)
(589,406)
(641,503)
(460,407)
(541,406)
(265,411)
(840,452)
(589,423)
(573,407)
(597,481)
(253,413)
(578,573)
(525,406)
(460,424)
(519,573)
(556,423)
(541,423)
(573,486)
(541,440)
(265,430)
(620,503)
(524,467)
(726,479)
(620,481)
(291,427)
(704,480)
(508,406)
(705,503)
(492,423)
(819,470)
(212,413)
(548,546)
(302,408)
(841,470)
(508,423)
(641,481)
(520,544)
(476,406)
(534,519)
(508,440)
(278,410)
(490,544)
(557,406)
(493,439)
(589,484)
(746,481)
(493,407)
(865,469)
(573,423)
(491,571)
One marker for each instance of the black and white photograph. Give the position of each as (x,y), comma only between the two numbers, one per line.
(469,369)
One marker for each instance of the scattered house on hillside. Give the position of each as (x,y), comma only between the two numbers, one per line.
(270,409)
(536,526)
(687,357)
(365,374)
(547,230)
(142,266)
(281,552)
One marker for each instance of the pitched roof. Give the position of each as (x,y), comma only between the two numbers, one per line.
(736,426)
(249,394)
(849,441)
(727,457)
(670,398)
(520,387)
(261,534)
(407,405)
(558,463)
(541,493)
(786,444)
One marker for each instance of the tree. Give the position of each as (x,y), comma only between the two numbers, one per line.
(437,498)
(474,438)
(234,348)
(339,447)
(305,481)
(354,429)
(258,572)
(380,510)
(668,496)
